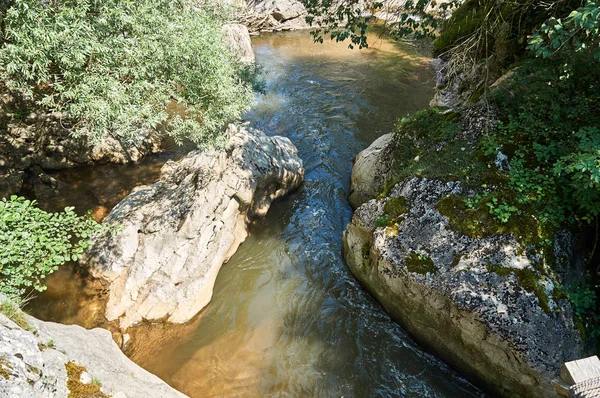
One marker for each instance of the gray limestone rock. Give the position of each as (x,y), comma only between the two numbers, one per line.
(177,232)
(32,362)
(485,324)
(238,38)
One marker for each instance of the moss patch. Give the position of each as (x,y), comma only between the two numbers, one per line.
(477,222)
(420,264)
(76,388)
(393,211)
(528,279)
(366,250)
(14,313)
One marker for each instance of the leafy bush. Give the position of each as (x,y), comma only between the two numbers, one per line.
(551,133)
(33,243)
(113,65)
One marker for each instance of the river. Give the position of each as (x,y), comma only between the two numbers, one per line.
(287,318)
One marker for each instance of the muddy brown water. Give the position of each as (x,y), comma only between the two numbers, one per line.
(287,318)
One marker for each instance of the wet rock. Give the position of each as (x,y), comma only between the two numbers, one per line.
(32,362)
(437,282)
(177,232)
(238,38)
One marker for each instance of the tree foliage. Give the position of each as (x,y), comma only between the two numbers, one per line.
(113,65)
(33,243)
(343,19)
(577,33)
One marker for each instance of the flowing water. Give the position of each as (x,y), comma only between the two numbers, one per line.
(287,318)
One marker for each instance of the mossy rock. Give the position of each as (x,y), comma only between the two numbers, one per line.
(76,388)
(420,264)
(464,21)
(527,279)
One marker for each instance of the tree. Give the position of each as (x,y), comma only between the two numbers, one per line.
(113,65)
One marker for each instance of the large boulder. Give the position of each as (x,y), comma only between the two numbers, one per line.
(238,38)
(370,171)
(275,15)
(176,233)
(47,360)
(481,304)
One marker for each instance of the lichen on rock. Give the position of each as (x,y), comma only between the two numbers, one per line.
(476,300)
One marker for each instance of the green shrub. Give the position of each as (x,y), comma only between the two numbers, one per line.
(113,65)
(33,243)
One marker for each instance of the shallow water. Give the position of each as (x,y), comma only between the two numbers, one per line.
(287,318)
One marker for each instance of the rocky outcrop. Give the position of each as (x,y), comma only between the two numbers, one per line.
(481,304)
(176,233)
(238,39)
(274,15)
(47,360)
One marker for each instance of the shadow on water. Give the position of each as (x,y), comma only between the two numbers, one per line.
(287,318)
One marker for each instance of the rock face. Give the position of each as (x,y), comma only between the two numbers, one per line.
(438,284)
(238,38)
(275,15)
(178,232)
(34,365)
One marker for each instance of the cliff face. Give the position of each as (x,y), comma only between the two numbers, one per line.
(47,360)
(479,300)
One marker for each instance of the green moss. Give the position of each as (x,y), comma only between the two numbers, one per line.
(366,249)
(76,388)
(464,20)
(578,322)
(527,279)
(393,211)
(477,222)
(433,123)
(456,260)
(395,207)
(15,314)
(420,264)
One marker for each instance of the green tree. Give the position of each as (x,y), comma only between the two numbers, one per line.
(34,243)
(113,65)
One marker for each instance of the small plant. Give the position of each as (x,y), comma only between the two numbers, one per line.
(33,243)
(96,382)
(583,298)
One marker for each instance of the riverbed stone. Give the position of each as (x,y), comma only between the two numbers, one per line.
(437,282)
(33,355)
(176,233)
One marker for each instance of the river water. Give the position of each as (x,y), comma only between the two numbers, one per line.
(287,318)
